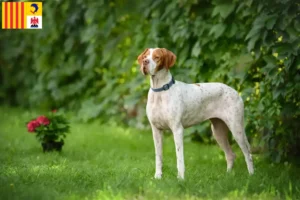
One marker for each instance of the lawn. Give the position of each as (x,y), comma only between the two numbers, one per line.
(106,161)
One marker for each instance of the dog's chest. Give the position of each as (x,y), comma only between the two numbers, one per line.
(159,110)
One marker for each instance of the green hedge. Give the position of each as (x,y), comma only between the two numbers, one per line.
(84,59)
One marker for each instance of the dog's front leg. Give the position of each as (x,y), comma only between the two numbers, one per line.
(178,139)
(157,137)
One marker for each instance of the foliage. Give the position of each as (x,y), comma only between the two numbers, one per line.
(110,162)
(53,127)
(84,59)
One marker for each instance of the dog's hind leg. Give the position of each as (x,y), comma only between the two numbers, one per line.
(220,132)
(236,126)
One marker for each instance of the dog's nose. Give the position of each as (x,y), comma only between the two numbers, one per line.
(146,62)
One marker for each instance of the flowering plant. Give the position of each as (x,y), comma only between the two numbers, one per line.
(50,129)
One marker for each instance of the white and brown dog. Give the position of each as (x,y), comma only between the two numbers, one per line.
(176,105)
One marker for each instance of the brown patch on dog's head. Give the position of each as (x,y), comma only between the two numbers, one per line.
(163,58)
(142,56)
(154,59)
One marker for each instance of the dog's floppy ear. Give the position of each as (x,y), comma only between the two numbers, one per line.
(169,58)
(140,57)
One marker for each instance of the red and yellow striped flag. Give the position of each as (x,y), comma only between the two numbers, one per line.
(22,15)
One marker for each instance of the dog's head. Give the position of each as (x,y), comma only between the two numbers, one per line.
(154,59)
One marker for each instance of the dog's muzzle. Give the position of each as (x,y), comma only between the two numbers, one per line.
(144,69)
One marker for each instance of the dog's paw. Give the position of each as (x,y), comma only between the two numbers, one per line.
(157,176)
(180,177)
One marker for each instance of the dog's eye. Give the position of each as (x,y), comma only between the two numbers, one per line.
(156,57)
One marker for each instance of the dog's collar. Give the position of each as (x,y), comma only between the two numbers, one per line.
(164,87)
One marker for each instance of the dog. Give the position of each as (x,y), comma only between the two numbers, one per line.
(175,105)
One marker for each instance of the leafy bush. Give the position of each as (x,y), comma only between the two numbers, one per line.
(84,59)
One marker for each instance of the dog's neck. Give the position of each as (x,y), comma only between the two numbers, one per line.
(161,78)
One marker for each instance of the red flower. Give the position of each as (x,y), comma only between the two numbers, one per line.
(32,125)
(42,120)
(54,111)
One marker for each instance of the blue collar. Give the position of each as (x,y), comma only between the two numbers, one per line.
(164,87)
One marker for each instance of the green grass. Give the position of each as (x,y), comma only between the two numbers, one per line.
(109,162)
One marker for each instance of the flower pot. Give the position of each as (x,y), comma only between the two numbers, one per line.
(52,146)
